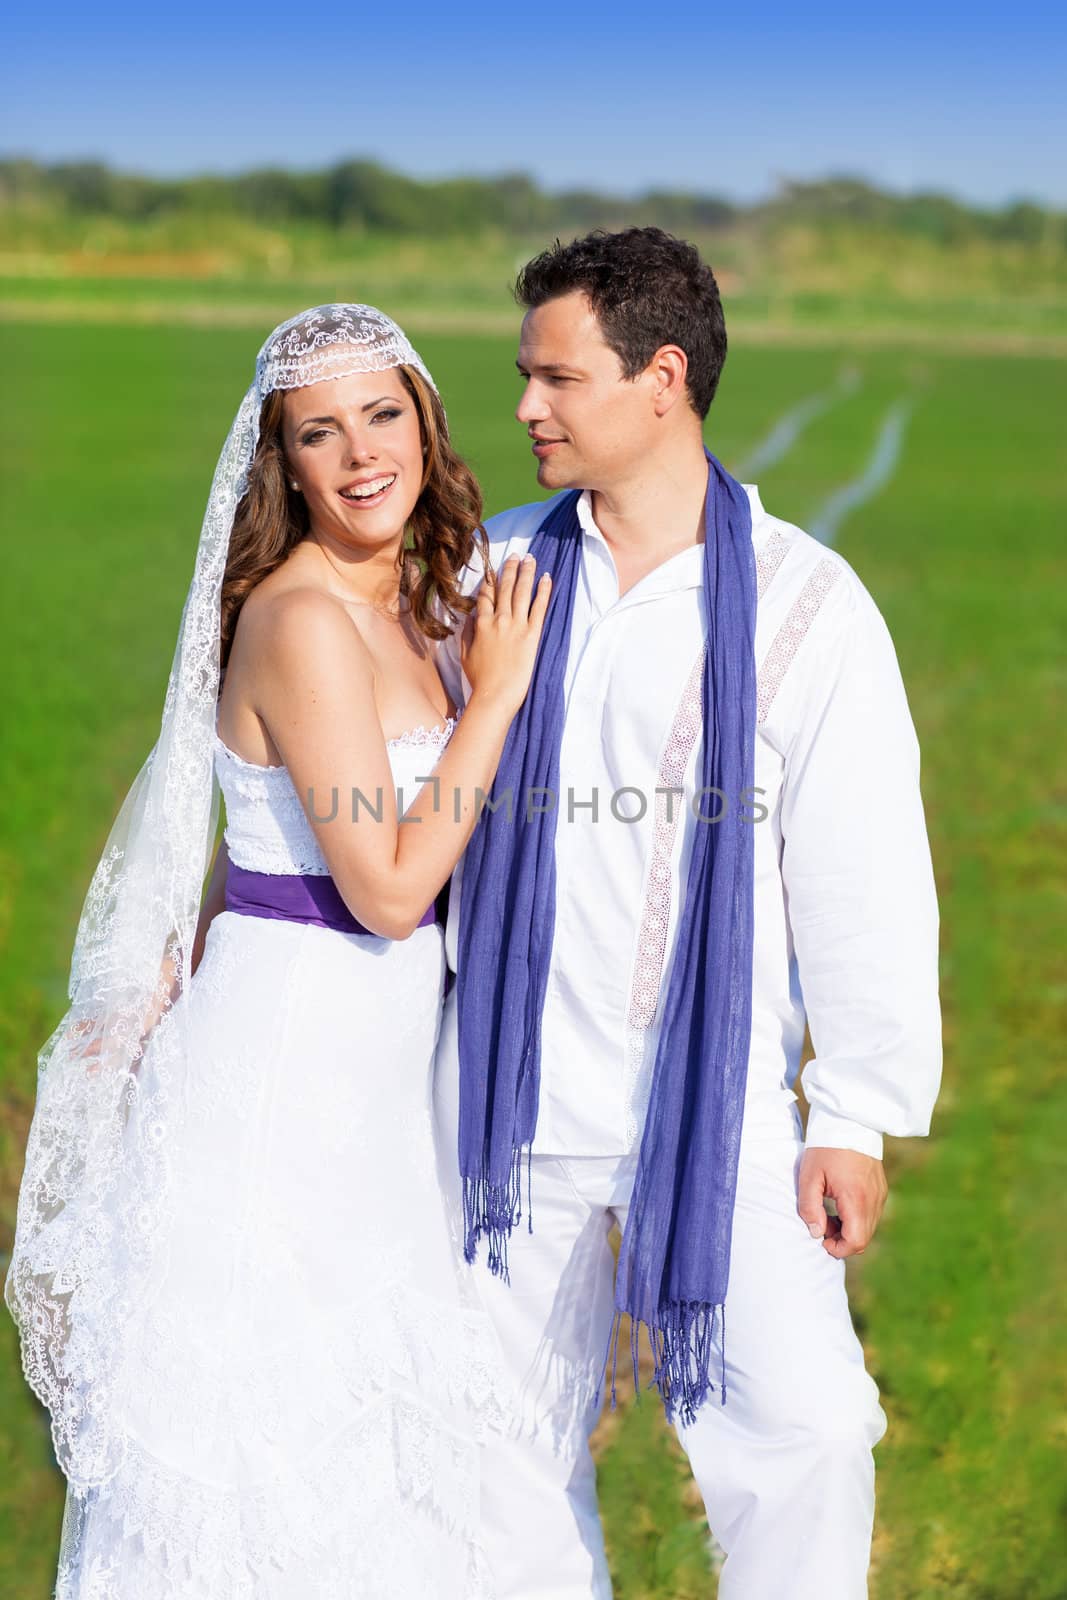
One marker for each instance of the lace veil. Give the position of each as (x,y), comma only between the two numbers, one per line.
(109,1098)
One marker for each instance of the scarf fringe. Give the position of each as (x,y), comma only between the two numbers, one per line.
(682,1341)
(491,1210)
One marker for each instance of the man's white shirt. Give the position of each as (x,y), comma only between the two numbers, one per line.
(845,913)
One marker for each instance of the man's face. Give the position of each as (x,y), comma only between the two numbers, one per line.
(590,426)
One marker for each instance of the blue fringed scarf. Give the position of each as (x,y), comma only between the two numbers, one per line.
(675,1258)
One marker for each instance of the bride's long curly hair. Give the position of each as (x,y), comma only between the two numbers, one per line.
(443,531)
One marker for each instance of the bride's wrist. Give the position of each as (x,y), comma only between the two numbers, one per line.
(497,703)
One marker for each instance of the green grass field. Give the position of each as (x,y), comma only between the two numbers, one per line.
(109,437)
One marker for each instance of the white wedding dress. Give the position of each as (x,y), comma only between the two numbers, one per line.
(311,1376)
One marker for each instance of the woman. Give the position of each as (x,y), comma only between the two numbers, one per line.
(233,1277)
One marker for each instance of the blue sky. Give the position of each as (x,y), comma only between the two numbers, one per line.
(966,99)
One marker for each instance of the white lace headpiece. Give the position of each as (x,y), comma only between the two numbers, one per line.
(95,1191)
(330,342)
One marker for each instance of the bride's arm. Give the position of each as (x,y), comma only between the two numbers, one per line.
(85,1038)
(315,692)
(214,902)
(169,986)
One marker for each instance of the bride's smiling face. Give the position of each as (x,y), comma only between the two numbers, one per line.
(354,448)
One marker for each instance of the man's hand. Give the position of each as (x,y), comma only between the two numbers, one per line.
(857,1186)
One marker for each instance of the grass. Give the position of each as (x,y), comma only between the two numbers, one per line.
(796,285)
(110,433)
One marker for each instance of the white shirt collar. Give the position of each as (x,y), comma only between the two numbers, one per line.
(683,571)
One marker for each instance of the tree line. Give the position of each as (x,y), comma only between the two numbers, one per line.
(365,195)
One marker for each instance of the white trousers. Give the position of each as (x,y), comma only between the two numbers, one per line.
(785,1467)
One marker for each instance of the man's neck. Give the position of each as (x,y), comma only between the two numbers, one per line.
(656,513)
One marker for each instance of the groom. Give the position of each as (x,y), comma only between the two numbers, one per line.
(705,836)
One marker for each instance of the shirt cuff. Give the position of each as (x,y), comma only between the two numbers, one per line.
(827,1131)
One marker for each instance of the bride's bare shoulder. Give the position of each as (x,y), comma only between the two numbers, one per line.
(288,614)
(291,590)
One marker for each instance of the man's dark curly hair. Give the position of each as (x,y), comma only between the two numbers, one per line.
(648,289)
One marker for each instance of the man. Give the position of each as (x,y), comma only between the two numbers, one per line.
(621,348)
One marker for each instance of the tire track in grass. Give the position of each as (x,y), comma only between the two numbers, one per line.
(872,480)
(789,427)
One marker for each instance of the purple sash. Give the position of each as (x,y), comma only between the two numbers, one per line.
(296,897)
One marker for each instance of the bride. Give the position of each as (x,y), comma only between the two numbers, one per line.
(235,1283)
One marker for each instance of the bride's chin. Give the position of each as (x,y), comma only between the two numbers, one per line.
(364,532)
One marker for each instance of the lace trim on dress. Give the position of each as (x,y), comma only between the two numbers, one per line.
(143,1531)
(416,737)
(403,1370)
(420,736)
(396,1339)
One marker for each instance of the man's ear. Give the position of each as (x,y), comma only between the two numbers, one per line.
(668,369)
